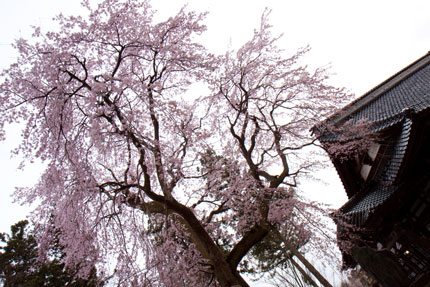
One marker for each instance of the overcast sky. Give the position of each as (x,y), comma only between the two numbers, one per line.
(363,42)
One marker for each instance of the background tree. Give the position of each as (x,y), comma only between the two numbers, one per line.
(106,105)
(20,264)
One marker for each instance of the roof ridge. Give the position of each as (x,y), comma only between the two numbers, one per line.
(383,87)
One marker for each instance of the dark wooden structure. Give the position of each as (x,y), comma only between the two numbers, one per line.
(388,184)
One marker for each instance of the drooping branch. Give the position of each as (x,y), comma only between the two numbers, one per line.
(304,261)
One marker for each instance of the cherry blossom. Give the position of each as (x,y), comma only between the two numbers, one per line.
(144,178)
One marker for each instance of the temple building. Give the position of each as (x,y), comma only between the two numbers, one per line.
(385,224)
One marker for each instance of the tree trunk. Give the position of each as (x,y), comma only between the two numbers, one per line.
(226,274)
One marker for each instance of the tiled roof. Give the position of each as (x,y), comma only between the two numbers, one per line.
(408,89)
(359,210)
(410,95)
(391,103)
(387,104)
(360,206)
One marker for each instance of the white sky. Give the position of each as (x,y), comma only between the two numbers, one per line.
(364,42)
